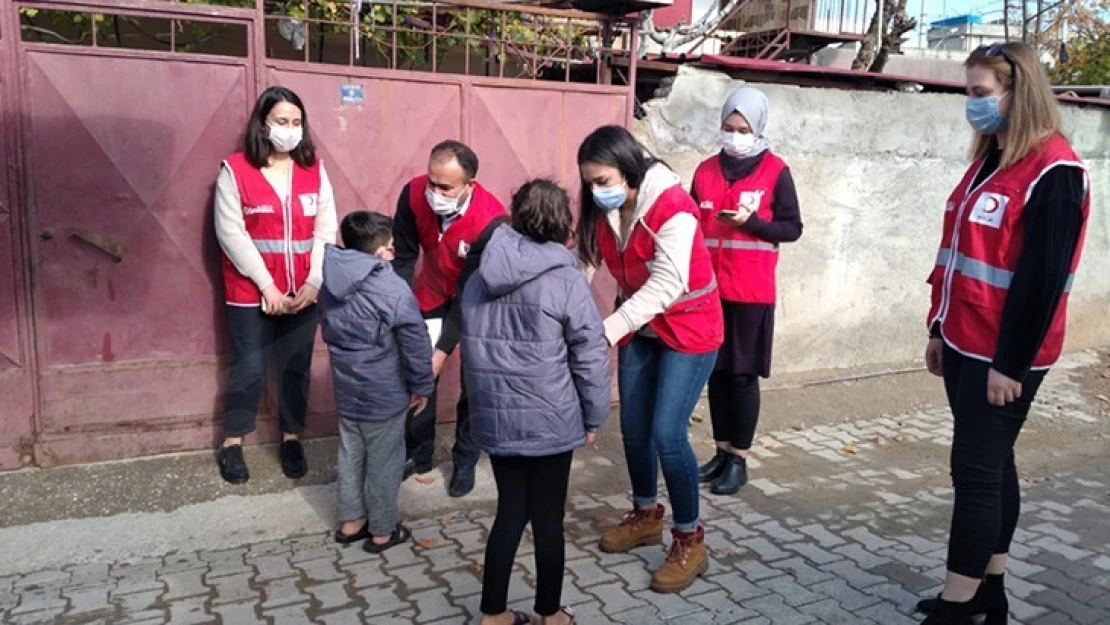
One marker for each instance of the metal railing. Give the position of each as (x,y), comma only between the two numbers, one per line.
(470,37)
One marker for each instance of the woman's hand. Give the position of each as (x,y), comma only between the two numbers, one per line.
(305,298)
(934,357)
(1001,390)
(740,217)
(273,302)
(591,437)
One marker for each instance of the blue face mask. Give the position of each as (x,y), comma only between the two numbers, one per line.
(983,115)
(610,198)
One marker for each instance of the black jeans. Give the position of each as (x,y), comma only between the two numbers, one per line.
(734,408)
(988,498)
(255,340)
(420,435)
(528,490)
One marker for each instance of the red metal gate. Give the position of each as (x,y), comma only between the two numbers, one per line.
(16,370)
(120,149)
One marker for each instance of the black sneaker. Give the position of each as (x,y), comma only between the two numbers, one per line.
(462,481)
(293,464)
(233,468)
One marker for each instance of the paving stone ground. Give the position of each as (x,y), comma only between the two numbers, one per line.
(841,524)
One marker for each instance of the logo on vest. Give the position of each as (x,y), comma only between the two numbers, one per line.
(308,204)
(264,209)
(464,249)
(750,200)
(989,210)
(706,205)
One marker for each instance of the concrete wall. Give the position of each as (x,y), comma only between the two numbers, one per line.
(873,172)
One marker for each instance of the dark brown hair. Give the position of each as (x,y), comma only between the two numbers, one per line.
(257,144)
(541,211)
(366,231)
(451,149)
(616,147)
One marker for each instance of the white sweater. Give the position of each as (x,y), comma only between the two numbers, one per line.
(669,277)
(231,228)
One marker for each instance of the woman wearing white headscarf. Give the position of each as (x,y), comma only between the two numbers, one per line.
(748,206)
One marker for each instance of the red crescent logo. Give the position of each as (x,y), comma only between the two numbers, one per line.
(992,205)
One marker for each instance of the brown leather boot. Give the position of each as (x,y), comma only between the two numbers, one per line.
(637,528)
(685,562)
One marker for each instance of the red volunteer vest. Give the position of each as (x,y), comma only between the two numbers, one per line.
(694,324)
(979,252)
(445,254)
(282,231)
(745,265)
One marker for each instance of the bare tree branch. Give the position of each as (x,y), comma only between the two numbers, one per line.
(671,38)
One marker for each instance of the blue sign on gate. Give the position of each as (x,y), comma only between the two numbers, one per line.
(350,94)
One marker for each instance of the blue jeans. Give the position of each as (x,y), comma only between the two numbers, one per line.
(659,388)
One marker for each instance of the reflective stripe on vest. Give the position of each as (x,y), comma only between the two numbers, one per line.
(978,270)
(277,246)
(732,244)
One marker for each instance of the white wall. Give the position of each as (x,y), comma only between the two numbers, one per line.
(873,171)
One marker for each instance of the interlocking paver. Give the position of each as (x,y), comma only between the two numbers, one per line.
(857,542)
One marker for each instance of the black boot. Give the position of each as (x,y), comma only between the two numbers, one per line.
(462,481)
(734,476)
(990,600)
(950,613)
(714,468)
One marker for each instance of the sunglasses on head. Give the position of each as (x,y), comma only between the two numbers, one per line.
(995,50)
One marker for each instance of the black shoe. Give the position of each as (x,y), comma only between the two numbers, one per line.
(462,481)
(233,468)
(949,613)
(990,600)
(293,463)
(714,468)
(734,476)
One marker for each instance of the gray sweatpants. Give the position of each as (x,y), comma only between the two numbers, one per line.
(371,465)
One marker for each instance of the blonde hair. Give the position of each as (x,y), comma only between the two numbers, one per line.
(1032,114)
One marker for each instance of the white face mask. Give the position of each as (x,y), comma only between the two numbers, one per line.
(286,138)
(445,206)
(738,144)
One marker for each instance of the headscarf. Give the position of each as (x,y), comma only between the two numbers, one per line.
(751,103)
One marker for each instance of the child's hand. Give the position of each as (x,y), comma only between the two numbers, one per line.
(418,404)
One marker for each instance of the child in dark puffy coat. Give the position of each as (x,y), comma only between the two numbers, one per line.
(537,373)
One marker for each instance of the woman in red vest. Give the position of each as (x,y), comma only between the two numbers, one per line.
(274,214)
(1013,233)
(748,206)
(637,220)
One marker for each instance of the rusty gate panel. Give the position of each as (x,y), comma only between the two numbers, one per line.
(370,150)
(122,158)
(536,133)
(15,373)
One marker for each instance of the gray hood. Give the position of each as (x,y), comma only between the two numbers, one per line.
(345,270)
(512,260)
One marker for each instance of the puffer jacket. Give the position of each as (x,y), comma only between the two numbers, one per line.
(534,351)
(380,350)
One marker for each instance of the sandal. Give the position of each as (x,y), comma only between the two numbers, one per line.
(566,610)
(346,539)
(400,534)
(521,618)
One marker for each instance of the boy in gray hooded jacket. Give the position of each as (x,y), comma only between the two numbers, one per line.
(381,360)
